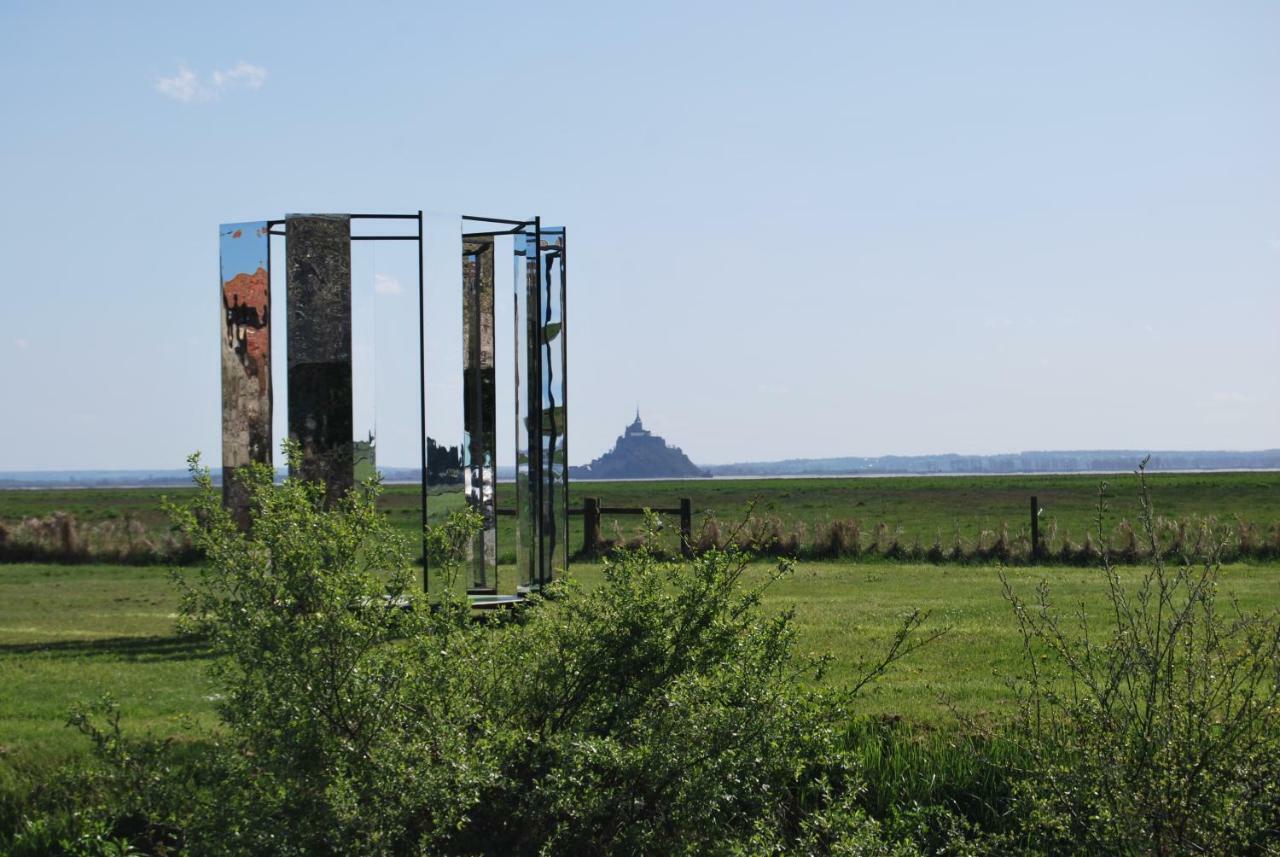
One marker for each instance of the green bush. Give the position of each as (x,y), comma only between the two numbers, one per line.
(1158,733)
(661,712)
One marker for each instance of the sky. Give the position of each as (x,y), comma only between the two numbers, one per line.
(795,230)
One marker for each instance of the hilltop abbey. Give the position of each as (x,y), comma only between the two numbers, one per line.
(639,454)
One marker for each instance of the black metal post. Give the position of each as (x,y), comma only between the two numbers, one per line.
(422,406)
(535,409)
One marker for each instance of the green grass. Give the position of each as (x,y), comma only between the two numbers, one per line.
(69,634)
(925,506)
(920,508)
(72,633)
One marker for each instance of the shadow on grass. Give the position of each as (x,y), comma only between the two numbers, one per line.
(173,648)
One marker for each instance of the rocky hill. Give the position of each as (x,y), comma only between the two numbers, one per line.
(639,454)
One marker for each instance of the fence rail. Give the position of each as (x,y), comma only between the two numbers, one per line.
(591,513)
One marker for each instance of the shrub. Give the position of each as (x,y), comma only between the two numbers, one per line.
(709,537)
(663,711)
(935,554)
(1161,736)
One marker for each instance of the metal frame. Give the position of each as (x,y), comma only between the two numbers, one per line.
(501,226)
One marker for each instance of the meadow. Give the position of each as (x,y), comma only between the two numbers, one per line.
(907,510)
(70,633)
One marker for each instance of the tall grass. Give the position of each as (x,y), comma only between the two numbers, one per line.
(62,538)
(851,538)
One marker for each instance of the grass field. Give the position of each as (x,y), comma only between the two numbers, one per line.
(69,634)
(914,508)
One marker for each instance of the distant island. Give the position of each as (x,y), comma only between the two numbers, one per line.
(639,454)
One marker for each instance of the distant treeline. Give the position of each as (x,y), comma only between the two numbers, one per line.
(1066,461)
(444,466)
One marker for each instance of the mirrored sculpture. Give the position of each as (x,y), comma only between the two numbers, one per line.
(319,354)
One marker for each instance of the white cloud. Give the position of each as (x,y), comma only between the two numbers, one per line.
(187,86)
(183,86)
(22,344)
(242,73)
(385,284)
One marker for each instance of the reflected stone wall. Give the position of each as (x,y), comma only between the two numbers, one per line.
(318,259)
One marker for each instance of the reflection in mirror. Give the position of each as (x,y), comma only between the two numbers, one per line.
(479,438)
(279,344)
(318,263)
(442,273)
(524,292)
(364,359)
(553,418)
(542,496)
(246,356)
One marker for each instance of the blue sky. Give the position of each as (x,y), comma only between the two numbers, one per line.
(797,229)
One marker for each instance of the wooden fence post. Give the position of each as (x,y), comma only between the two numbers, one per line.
(590,526)
(1035,528)
(686,527)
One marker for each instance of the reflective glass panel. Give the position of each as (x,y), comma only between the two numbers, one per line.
(542,452)
(318,261)
(479,439)
(527,407)
(364,359)
(246,355)
(554,416)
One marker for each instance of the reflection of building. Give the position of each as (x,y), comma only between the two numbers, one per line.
(444,464)
(638,454)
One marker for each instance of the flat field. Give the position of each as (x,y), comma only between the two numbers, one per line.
(911,508)
(69,634)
